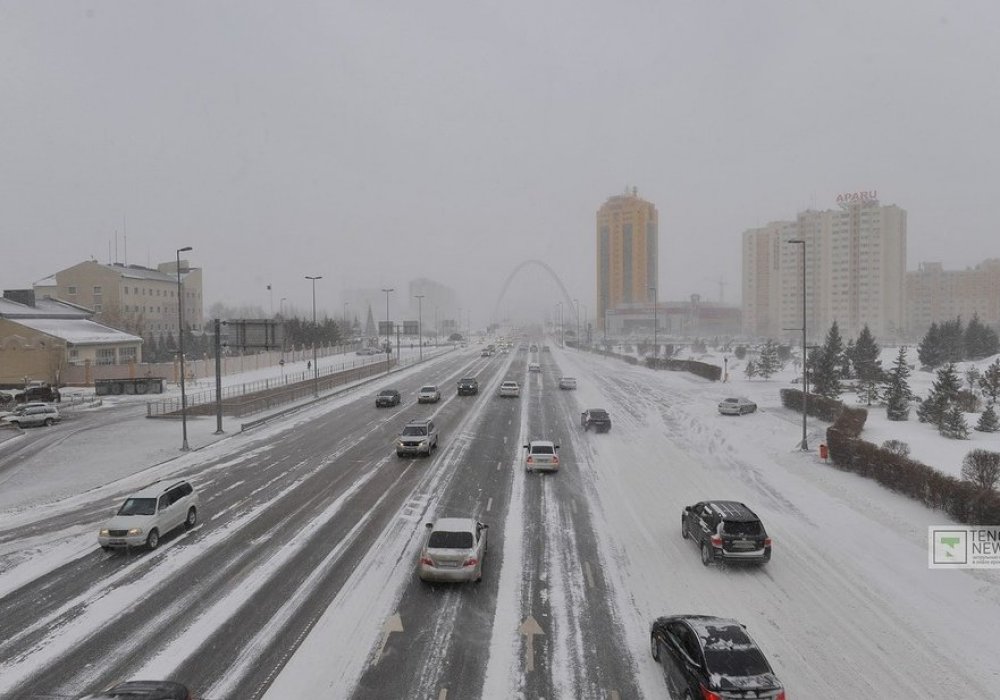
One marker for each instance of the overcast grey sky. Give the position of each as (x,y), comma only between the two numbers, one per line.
(372,142)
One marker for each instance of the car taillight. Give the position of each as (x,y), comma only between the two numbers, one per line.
(716,540)
(471,561)
(426,561)
(555,460)
(780,696)
(707,694)
(767,543)
(530,460)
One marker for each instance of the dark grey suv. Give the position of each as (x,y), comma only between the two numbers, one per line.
(419,437)
(726,531)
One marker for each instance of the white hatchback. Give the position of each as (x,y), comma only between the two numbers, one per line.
(510,389)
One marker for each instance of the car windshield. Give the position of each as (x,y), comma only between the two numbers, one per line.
(598,413)
(542,450)
(729,652)
(387,393)
(441,539)
(736,527)
(731,401)
(138,506)
(429,389)
(414,430)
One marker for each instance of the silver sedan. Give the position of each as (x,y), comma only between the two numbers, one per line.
(454,551)
(737,406)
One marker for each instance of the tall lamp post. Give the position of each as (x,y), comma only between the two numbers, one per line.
(562,336)
(805,375)
(420,325)
(656,349)
(435,326)
(315,366)
(576,305)
(347,324)
(388,348)
(180,333)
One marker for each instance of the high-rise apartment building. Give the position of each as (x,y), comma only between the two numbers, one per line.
(855,265)
(935,294)
(627,252)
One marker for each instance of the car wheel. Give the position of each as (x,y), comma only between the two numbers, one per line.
(49,422)
(753,409)
(684,529)
(192,518)
(654,647)
(153,539)
(706,553)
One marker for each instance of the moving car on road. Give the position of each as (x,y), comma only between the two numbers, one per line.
(428,394)
(596,418)
(510,388)
(33,415)
(468,386)
(144,690)
(737,406)
(454,551)
(711,658)
(387,397)
(567,382)
(534,367)
(542,455)
(419,437)
(149,514)
(726,531)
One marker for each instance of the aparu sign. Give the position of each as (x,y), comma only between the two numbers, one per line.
(852,197)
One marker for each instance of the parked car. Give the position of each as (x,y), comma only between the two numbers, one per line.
(567,382)
(368,351)
(510,388)
(454,551)
(428,394)
(33,415)
(726,531)
(418,437)
(42,392)
(144,690)
(468,386)
(533,348)
(387,397)
(149,514)
(541,455)
(596,418)
(711,658)
(534,367)
(737,406)
(486,353)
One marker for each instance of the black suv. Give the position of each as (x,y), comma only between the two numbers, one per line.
(711,657)
(596,418)
(46,393)
(387,397)
(726,531)
(468,386)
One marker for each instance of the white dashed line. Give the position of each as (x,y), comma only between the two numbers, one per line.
(443,694)
(587,572)
(489,504)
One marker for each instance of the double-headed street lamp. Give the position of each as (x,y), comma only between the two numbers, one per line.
(387,346)
(805,376)
(180,332)
(420,324)
(315,337)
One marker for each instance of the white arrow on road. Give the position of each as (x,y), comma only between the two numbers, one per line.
(393,624)
(529,628)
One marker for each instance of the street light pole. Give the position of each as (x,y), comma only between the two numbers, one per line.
(388,348)
(420,325)
(180,333)
(435,326)
(315,335)
(656,349)
(576,305)
(805,375)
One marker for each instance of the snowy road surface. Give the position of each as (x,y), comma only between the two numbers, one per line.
(299,581)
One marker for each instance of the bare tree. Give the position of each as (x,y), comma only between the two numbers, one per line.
(982,468)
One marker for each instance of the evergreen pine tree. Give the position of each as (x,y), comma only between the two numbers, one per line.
(953,424)
(953,340)
(751,368)
(944,394)
(847,368)
(768,364)
(989,383)
(867,365)
(897,389)
(988,421)
(930,352)
(826,363)
(980,340)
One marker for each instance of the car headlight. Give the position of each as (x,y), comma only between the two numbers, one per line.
(135,531)
(105,532)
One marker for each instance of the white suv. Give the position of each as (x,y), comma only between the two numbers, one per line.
(34,414)
(149,514)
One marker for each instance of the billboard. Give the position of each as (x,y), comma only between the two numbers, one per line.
(255,334)
(411,328)
(386,327)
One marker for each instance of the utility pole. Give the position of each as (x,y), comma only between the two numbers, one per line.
(656,349)
(420,324)
(315,337)
(388,347)
(180,334)
(805,374)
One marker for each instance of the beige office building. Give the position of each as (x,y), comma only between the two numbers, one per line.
(855,264)
(935,294)
(132,298)
(627,252)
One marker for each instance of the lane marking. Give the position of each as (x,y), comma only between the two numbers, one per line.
(572,506)
(615,695)
(529,628)
(443,694)
(498,466)
(587,572)
(489,504)
(393,624)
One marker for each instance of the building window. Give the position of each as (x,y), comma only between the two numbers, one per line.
(74,353)
(126,355)
(71,290)
(105,356)
(98,308)
(97,290)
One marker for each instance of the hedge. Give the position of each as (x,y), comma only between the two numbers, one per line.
(818,406)
(702,369)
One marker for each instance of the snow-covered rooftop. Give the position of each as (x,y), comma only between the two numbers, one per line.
(78,331)
(45,307)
